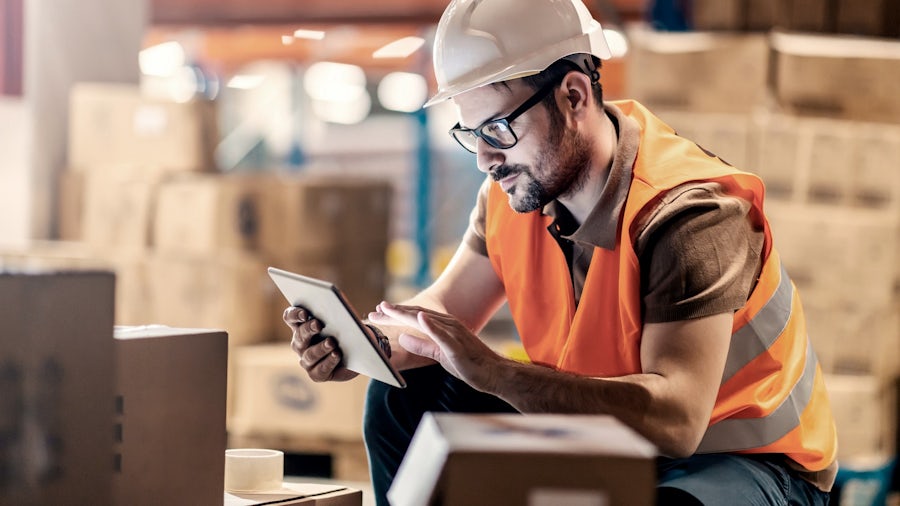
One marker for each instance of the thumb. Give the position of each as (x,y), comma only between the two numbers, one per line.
(419,346)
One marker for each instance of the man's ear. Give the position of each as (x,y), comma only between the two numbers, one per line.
(576,94)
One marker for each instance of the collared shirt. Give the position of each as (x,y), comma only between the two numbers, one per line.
(698,251)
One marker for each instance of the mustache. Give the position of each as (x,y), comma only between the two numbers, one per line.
(505,171)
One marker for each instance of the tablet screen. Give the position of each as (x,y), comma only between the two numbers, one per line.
(328,305)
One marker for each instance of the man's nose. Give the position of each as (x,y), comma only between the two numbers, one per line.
(487,156)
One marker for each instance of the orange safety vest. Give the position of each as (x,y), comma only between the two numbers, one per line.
(772,397)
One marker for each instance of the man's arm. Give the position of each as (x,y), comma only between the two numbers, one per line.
(669,403)
(468,289)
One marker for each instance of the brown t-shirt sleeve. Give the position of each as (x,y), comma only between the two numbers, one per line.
(700,255)
(474,236)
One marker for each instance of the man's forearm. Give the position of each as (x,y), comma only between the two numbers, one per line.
(640,401)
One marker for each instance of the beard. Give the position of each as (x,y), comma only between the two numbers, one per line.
(560,170)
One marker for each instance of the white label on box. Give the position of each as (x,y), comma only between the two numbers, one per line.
(566,497)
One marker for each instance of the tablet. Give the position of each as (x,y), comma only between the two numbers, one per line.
(329,305)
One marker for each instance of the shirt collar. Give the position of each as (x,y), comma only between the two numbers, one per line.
(601,226)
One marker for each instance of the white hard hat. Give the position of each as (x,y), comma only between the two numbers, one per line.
(480,42)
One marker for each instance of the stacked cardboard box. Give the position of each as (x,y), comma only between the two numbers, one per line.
(275,404)
(142,193)
(191,245)
(56,387)
(879,18)
(837,76)
(698,72)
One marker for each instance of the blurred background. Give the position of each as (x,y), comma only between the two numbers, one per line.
(188,144)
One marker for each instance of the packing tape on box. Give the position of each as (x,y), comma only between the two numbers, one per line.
(253,470)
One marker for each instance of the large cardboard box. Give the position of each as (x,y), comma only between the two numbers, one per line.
(70,205)
(865,409)
(112,127)
(501,460)
(737,15)
(273,395)
(303,215)
(876,18)
(206,214)
(839,257)
(806,160)
(133,305)
(730,136)
(856,339)
(231,291)
(838,76)
(808,15)
(170,386)
(56,387)
(117,213)
(698,71)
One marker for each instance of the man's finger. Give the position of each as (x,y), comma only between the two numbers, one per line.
(294,315)
(418,346)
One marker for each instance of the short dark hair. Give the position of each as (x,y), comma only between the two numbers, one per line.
(582,62)
(560,68)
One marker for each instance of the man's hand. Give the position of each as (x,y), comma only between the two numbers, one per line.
(451,344)
(319,355)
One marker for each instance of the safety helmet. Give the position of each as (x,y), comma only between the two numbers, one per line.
(480,42)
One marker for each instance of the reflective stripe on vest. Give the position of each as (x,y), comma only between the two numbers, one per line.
(760,332)
(734,434)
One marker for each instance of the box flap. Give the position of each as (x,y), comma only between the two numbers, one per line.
(145,331)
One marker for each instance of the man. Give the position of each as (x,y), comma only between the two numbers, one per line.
(639,270)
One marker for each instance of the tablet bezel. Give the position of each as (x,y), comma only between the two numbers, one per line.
(329,305)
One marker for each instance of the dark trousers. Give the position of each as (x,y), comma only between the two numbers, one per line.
(392,415)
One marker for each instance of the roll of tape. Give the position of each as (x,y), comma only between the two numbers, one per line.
(249,470)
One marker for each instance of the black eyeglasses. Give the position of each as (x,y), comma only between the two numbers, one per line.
(497,132)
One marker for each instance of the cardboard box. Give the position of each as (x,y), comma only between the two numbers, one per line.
(171,415)
(855,339)
(204,215)
(274,395)
(805,160)
(839,257)
(730,136)
(132,299)
(838,76)
(717,15)
(229,291)
(864,410)
(118,210)
(56,387)
(737,15)
(698,71)
(875,18)
(303,215)
(112,128)
(809,15)
(70,205)
(532,459)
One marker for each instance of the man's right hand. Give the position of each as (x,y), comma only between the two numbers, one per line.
(319,355)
